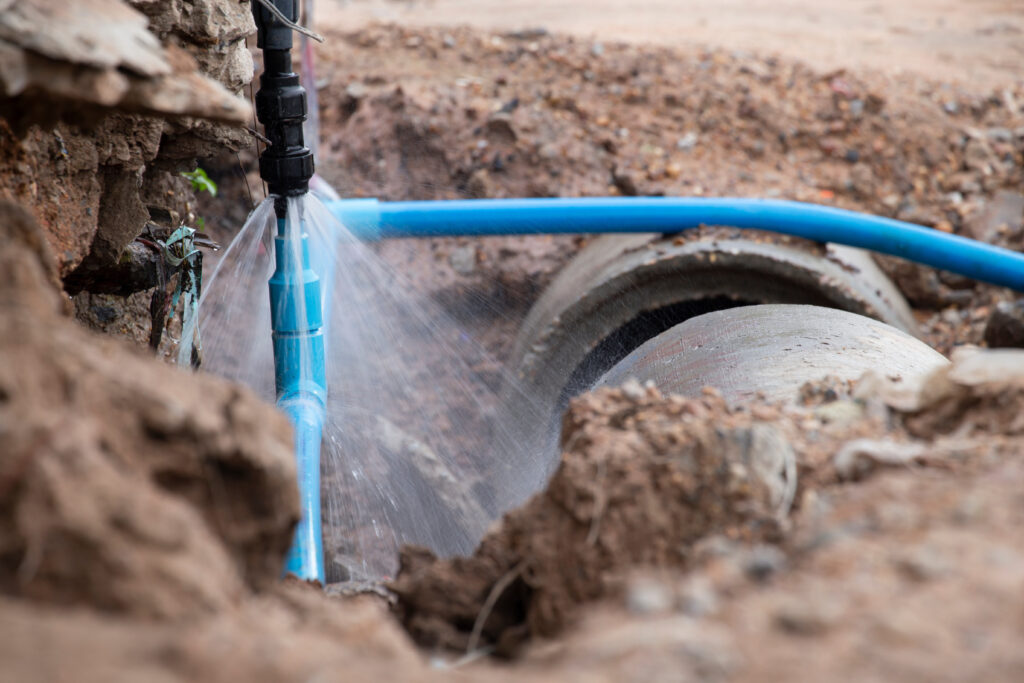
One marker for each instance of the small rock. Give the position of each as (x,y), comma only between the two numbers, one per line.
(687,142)
(528,33)
(857,458)
(1005,327)
(839,412)
(499,129)
(808,616)
(1000,134)
(764,562)
(356,90)
(647,596)
(951,107)
(448,41)
(978,155)
(632,389)
(463,260)
(548,152)
(625,182)
(757,70)
(510,106)
(479,184)
(923,563)
(1003,214)
(697,597)
(597,49)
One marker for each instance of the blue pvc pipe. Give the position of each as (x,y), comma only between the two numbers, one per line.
(300,377)
(370,219)
(305,557)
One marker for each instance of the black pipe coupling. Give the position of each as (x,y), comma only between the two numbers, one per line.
(286,164)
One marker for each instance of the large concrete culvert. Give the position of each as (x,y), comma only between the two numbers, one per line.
(621,291)
(771,351)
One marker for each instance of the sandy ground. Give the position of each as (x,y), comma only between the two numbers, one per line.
(978,42)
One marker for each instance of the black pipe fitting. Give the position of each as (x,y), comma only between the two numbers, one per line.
(286,164)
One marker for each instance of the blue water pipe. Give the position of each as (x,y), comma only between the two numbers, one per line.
(286,165)
(301,383)
(370,219)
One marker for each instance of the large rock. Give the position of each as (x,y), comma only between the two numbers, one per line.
(101,53)
(105,104)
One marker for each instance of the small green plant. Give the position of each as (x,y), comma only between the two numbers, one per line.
(200,181)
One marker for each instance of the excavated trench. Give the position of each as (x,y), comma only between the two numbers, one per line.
(144,513)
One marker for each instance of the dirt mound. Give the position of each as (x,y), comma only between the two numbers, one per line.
(641,479)
(551,115)
(292,634)
(644,478)
(981,394)
(453,113)
(126,484)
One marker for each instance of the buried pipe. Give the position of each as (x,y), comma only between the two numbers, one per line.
(771,351)
(370,219)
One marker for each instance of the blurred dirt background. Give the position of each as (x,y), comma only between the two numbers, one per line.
(974,42)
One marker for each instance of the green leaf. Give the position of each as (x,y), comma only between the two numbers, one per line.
(200,181)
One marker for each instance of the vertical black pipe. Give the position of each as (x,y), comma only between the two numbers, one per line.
(286,165)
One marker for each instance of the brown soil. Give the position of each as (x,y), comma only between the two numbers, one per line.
(144,512)
(977,43)
(106,103)
(663,547)
(127,485)
(446,113)
(643,477)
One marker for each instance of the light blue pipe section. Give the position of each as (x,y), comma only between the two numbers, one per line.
(301,383)
(369,219)
(306,556)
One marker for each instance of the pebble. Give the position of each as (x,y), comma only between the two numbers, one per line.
(648,596)
(1005,326)
(356,90)
(808,616)
(687,142)
(626,183)
(463,260)
(1000,134)
(923,563)
(763,562)
(633,390)
(499,129)
(839,412)
(697,597)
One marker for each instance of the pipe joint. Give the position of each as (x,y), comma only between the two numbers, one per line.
(287,164)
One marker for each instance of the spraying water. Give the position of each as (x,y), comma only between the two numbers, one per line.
(417,447)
